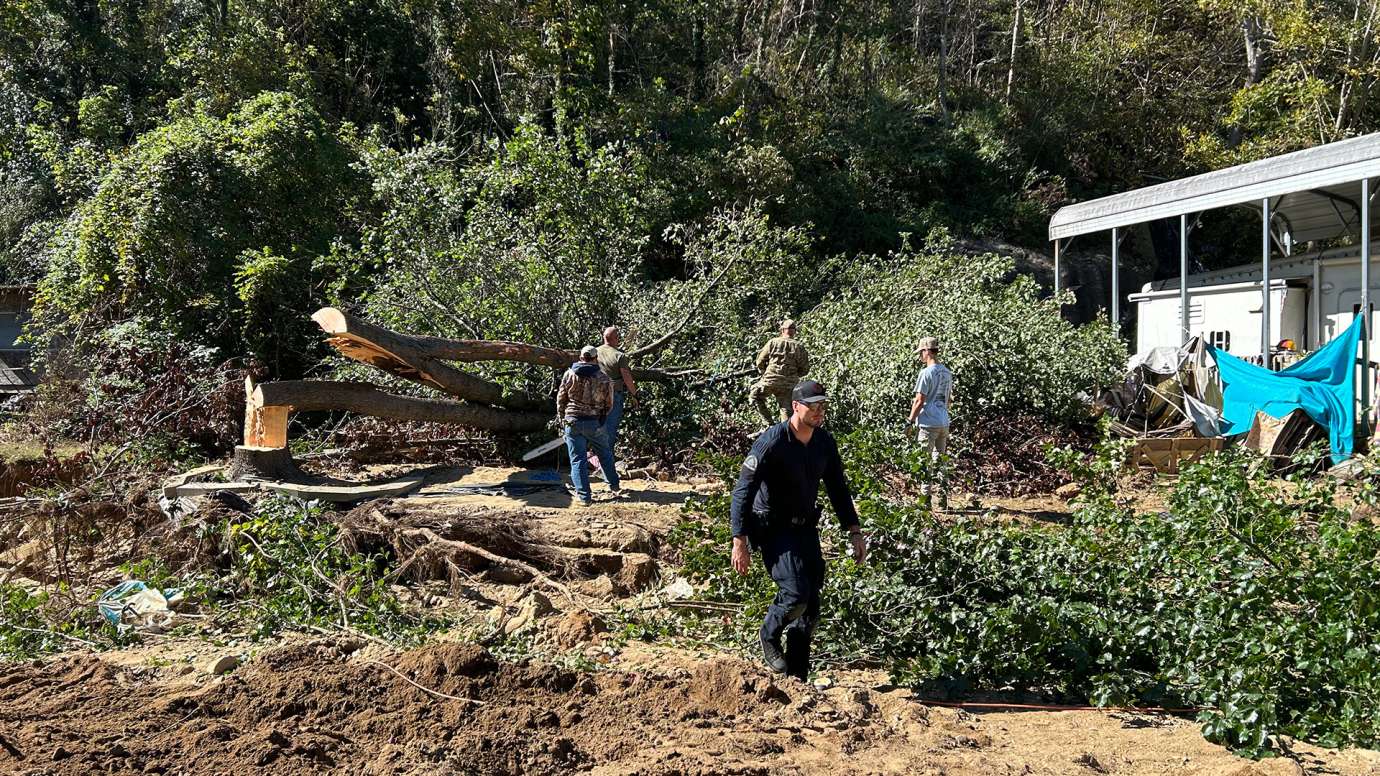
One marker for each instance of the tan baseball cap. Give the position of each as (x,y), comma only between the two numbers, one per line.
(928,343)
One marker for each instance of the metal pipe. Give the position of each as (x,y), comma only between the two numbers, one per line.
(1183,279)
(1116,286)
(1265,282)
(1315,303)
(1056,268)
(1365,305)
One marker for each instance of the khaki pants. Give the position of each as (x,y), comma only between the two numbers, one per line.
(935,441)
(782,394)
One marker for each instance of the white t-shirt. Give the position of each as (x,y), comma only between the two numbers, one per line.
(936,382)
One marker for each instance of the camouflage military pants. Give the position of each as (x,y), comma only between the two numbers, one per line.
(782,396)
(934,442)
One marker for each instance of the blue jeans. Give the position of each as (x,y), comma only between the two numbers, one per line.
(615,416)
(580,436)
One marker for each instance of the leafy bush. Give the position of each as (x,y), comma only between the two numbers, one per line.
(30,626)
(288,560)
(1010,351)
(190,209)
(1256,604)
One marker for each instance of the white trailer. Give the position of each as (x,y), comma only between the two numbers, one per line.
(1312,298)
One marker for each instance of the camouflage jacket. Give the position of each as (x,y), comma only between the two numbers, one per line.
(782,362)
(585,392)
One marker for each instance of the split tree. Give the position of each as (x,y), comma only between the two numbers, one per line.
(478,402)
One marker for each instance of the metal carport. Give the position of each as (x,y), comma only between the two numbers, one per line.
(1315,194)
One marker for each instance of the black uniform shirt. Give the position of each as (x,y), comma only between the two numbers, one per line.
(780,479)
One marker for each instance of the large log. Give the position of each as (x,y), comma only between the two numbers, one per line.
(386,349)
(268,405)
(407,356)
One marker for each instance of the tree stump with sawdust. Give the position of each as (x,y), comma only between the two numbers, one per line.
(264,463)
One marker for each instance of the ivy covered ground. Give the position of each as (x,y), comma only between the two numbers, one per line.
(1252,602)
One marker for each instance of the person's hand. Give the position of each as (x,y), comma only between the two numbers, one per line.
(859,542)
(632,401)
(742,558)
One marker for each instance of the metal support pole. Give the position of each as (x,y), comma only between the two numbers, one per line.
(1315,340)
(1183,280)
(1265,282)
(1365,305)
(1056,267)
(1116,285)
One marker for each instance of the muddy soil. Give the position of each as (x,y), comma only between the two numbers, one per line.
(336,706)
(347,705)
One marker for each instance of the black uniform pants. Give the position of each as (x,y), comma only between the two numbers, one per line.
(795,562)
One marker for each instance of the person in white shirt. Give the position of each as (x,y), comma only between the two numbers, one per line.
(929,412)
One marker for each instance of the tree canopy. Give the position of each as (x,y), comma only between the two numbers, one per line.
(218,168)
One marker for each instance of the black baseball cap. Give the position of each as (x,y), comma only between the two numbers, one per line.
(808,392)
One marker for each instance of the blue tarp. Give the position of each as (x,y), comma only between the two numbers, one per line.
(1323,385)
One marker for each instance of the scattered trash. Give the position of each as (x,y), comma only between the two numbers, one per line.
(1279,438)
(680,589)
(1169,392)
(133,604)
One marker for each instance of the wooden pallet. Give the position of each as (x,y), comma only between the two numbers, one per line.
(1166,455)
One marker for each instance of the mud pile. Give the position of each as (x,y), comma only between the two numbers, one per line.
(314,707)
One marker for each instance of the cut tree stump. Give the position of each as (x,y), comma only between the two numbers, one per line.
(264,463)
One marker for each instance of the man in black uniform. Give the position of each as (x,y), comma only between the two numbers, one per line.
(774,508)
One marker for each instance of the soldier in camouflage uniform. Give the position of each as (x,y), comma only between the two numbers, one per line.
(782,362)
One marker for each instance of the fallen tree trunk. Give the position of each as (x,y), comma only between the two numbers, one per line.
(408,357)
(267,407)
(403,354)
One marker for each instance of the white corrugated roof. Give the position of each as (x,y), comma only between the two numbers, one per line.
(1318,191)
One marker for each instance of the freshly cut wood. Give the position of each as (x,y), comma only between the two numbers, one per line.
(267,406)
(263,463)
(405,356)
(383,348)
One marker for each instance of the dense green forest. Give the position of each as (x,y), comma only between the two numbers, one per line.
(218,168)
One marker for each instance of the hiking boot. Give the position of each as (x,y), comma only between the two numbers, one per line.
(771,652)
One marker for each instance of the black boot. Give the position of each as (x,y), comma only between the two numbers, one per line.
(798,653)
(771,652)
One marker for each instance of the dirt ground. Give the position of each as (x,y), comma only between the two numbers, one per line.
(579,700)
